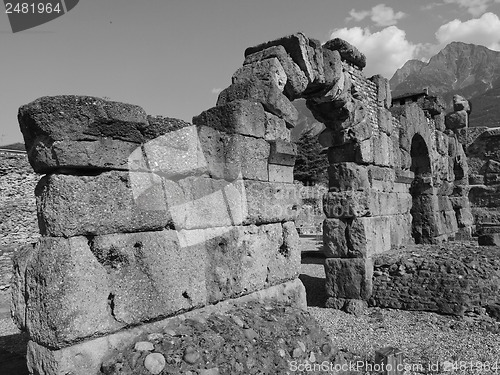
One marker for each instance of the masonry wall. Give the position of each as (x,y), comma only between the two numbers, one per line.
(142,218)
(380,195)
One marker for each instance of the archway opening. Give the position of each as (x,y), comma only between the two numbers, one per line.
(420,190)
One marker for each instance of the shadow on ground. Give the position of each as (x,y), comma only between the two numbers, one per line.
(13,354)
(313,278)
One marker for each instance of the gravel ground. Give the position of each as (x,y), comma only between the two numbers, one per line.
(431,343)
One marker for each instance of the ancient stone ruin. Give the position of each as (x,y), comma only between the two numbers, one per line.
(143,217)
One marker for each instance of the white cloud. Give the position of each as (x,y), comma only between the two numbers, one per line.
(385,50)
(484,31)
(358,16)
(474,7)
(380,14)
(216,90)
(383,15)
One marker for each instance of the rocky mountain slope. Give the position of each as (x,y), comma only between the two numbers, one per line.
(470,70)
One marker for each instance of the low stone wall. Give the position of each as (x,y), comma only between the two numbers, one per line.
(450,280)
(18,222)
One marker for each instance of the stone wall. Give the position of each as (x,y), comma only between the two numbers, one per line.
(142,218)
(18,223)
(398,175)
(483,145)
(450,280)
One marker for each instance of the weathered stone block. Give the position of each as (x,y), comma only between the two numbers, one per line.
(348,278)
(270,202)
(177,153)
(346,204)
(110,202)
(296,79)
(367,236)
(65,281)
(347,52)
(348,176)
(442,143)
(334,238)
(385,120)
(344,153)
(276,128)
(280,173)
(381,179)
(383,154)
(102,154)
(384,97)
(297,46)
(366,151)
(264,92)
(80,118)
(457,120)
(400,227)
(265,70)
(232,156)
(241,117)
(332,66)
(439,121)
(282,153)
(434,105)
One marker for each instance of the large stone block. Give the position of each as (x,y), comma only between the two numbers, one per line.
(81,132)
(400,227)
(297,46)
(381,179)
(85,358)
(264,92)
(102,154)
(80,118)
(270,202)
(232,156)
(88,286)
(280,173)
(65,292)
(177,153)
(265,70)
(384,97)
(367,236)
(245,259)
(347,52)
(346,204)
(241,117)
(201,202)
(276,128)
(334,238)
(385,120)
(383,154)
(457,120)
(110,202)
(348,176)
(332,66)
(297,80)
(348,278)
(282,153)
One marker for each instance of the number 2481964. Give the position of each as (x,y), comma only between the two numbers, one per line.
(32,8)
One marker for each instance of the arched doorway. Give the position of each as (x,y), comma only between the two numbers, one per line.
(421,189)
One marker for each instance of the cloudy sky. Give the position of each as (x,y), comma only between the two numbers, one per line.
(172,57)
